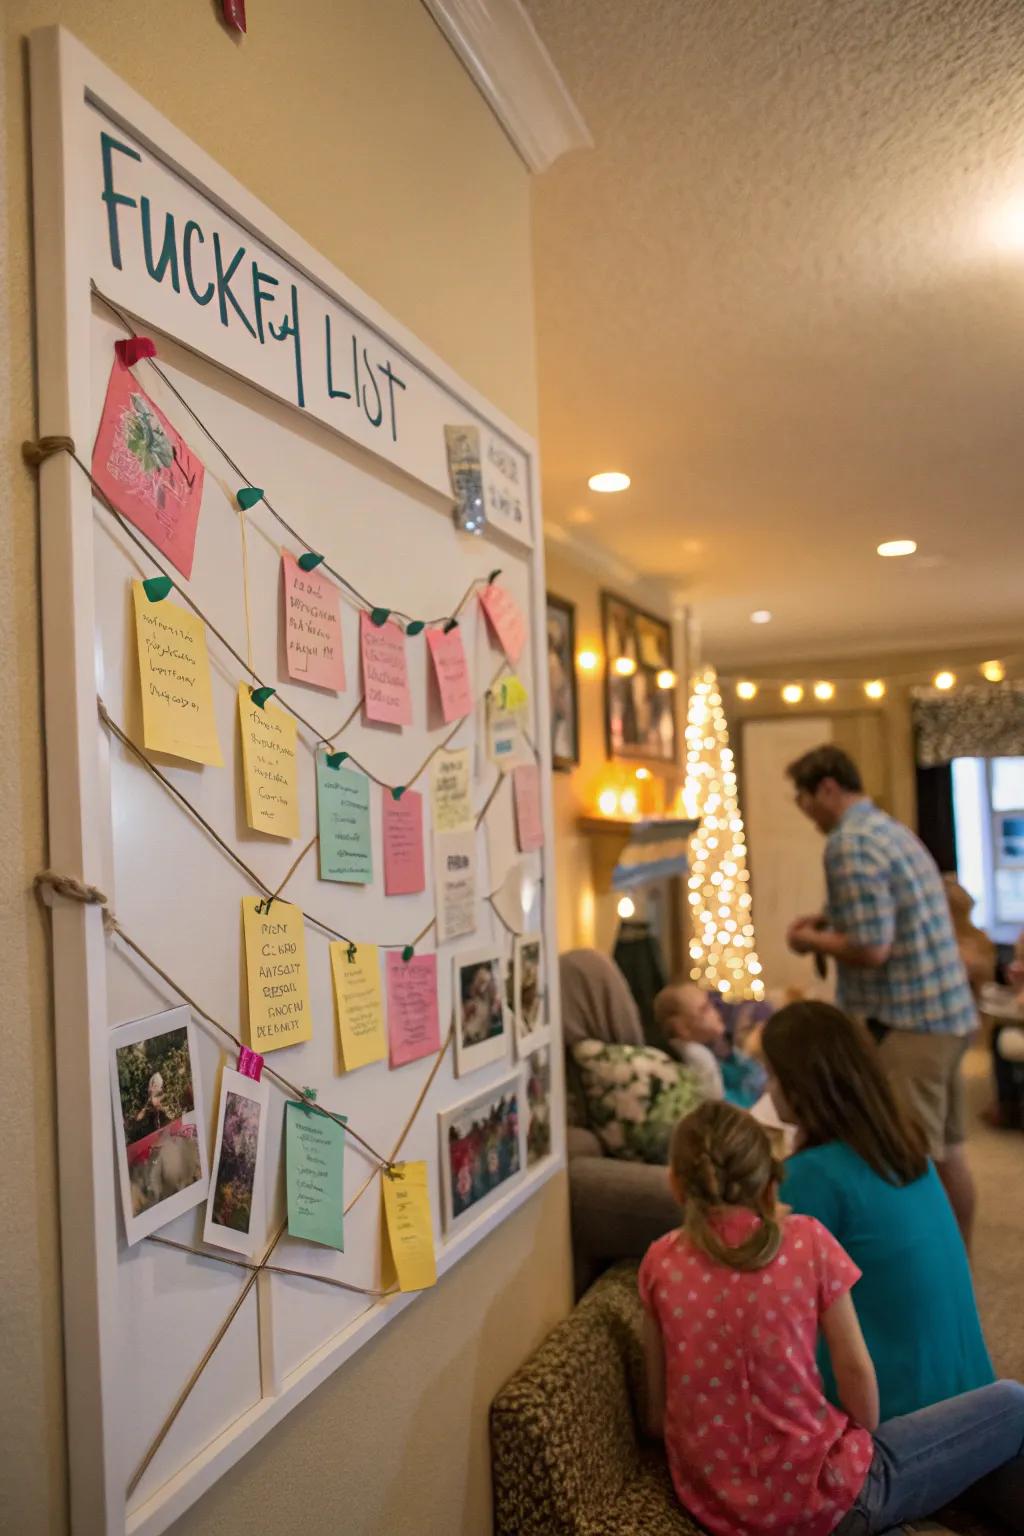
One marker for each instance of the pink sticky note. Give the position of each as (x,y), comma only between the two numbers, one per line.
(403,844)
(146,470)
(312,626)
(413,1028)
(526,793)
(385,675)
(506,620)
(450,669)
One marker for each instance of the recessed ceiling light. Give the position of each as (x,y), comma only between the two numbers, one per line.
(993,671)
(892,549)
(824,690)
(746,690)
(875,688)
(609,480)
(945,681)
(761,616)
(792,693)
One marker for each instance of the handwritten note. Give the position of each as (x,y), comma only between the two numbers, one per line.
(144,468)
(453,685)
(315,1170)
(343,823)
(526,794)
(504,743)
(269,767)
(278,984)
(455,877)
(312,626)
(413,1027)
(385,675)
(449,791)
(177,692)
(506,620)
(403,844)
(408,1228)
(360,1003)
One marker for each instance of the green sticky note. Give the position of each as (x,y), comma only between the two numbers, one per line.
(157,588)
(248,496)
(343,822)
(315,1170)
(309,561)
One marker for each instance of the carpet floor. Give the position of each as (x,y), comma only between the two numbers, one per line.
(997,1158)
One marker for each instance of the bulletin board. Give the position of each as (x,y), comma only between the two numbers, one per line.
(318,426)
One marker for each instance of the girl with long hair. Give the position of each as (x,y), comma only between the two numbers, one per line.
(734,1302)
(861,1168)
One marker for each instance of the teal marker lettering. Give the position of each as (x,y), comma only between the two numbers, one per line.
(114,200)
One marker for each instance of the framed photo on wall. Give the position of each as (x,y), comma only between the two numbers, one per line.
(640,714)
(565,726)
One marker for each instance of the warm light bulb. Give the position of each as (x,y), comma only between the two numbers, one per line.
(609,481)
(643,773)
(628,802)
(624,666)
(761,616)
(588,661)
(666,678)
(607,802)
(875,689)
(944,681)
(792,693)
(626,906)
(893,549)
(824,691)
(746,690)
(993,671)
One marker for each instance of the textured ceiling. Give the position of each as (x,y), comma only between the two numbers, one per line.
(785,292)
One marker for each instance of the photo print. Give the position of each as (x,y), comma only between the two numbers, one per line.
(232,1210)
(481,1021)
(528,999)
(481,1151)
(538,1104)
(158,1119)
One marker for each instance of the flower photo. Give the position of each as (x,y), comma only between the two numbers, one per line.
(481,1151)
(481,1022)
(233,1205)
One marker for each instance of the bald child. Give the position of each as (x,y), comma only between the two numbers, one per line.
(694,1029)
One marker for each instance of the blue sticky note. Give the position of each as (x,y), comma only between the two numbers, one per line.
(343,820)
(315,1168)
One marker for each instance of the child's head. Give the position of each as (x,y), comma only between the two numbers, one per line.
(721,1156)
(826,1079)
(686,1013)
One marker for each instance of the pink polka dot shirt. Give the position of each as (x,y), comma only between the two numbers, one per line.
(753,1446)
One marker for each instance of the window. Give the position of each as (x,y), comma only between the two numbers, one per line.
(988,810)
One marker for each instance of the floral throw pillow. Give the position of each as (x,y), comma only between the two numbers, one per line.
(634,1096)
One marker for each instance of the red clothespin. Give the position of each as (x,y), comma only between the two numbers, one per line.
(234,14)
(132,348)
(250,1063)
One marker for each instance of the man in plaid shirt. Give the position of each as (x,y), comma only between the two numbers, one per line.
(888,928)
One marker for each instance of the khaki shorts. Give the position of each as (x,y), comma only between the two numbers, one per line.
(924,1071)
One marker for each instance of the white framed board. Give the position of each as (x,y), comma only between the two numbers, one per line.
(271,371)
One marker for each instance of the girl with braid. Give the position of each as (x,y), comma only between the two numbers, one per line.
(734,1302)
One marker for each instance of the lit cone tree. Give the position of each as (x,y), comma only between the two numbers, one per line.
(722,953)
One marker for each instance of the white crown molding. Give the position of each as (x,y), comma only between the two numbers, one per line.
(499,45)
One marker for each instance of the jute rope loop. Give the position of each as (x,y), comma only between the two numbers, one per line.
(36,453)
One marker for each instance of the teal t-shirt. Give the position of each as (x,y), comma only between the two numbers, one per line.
(915,1300)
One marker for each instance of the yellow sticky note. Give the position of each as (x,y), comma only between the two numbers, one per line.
(177,694)
(269,766)
(512,692)
(275,967)
(408,1228)
(360,1003)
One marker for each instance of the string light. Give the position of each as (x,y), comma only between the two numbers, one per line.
(607,802)
(666,678)
(723,958)
(944,681)
(875,689)
(824,691)
(993,671)
(624,666)
(792,693)
(588,661)
(746,690)
(628,802)
(626,907)
(643,773)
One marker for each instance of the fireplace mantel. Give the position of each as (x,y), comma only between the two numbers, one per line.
(627,853)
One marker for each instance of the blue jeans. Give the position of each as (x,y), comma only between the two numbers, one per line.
(926,1459)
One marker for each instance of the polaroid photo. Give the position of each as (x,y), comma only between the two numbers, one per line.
(236,1188)
(482,1151)
(528,995)
(482,1023)
(158,1120)
(537,1073)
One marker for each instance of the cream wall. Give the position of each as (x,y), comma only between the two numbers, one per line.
(353,121)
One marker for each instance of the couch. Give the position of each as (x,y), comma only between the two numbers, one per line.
(618,1207)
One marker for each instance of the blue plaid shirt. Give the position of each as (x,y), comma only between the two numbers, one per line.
(884,888)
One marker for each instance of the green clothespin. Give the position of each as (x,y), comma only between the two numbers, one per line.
(261,695)
(398,791)
(407,953)
(379,616)
(414,626)
(492,578)
(263,907)
(156,588)
(335,759)
(452,624)
(309,561)
(350,953)
(248,496)
(308,1094)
